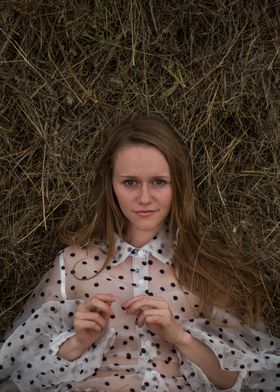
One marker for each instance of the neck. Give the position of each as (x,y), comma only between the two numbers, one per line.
(139,238)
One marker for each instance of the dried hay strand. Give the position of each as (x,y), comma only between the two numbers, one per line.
(71,69)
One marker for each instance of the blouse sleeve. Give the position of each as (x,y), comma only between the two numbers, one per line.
(28,357)
(252,352)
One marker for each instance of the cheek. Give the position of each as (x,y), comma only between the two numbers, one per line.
(122,196)
(168,198)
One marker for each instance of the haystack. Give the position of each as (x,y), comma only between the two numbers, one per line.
(70,69)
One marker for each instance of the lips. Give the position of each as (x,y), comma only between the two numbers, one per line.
(145,212)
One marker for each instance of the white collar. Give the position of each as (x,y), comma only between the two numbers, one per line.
(159,247)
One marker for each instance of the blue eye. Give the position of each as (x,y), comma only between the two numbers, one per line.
(159,181)
(130,182)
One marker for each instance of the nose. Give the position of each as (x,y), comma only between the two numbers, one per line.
(145,195)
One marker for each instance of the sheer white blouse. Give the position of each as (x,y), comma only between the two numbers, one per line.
(127,358)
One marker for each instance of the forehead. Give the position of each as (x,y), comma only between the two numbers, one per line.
(136,159)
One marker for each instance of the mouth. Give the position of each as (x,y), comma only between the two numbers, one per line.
(145,213)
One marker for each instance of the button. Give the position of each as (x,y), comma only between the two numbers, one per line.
(148,343)
(141,281)
(141,253)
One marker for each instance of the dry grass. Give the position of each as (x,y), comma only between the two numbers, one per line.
(71,68)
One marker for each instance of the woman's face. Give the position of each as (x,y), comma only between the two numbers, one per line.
(142,184)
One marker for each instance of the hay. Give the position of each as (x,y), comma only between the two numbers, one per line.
(70,69)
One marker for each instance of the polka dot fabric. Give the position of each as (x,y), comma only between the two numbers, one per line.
(126,357)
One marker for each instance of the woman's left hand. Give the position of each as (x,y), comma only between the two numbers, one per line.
(155,312)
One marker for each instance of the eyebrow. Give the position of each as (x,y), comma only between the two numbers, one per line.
(131,176)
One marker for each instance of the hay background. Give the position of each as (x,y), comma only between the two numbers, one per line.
(72,68)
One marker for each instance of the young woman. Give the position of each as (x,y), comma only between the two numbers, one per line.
(142,300)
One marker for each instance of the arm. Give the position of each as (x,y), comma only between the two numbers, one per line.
(91,322)
(47,321)
(159,319)
(200,354)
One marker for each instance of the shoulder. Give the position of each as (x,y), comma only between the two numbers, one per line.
(74,257)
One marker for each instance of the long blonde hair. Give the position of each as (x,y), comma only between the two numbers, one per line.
(202,265)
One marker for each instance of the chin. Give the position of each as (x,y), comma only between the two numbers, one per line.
(149,226)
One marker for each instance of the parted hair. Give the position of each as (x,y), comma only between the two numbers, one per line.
(203,265)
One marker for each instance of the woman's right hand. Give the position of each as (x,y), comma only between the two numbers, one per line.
(90,323)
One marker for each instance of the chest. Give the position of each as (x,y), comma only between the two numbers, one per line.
(141,275)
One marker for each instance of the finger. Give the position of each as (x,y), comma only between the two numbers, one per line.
(96,305)
(91,316)
(131,300)
(146,302)
(86,324)
(106,297)
(162,315)
(154,319)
